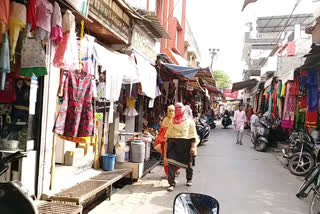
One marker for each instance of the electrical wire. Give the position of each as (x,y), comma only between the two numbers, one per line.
(278,38)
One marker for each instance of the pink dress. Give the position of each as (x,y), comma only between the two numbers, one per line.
(239,120)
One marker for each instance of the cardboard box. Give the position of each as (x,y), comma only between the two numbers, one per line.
(73,158)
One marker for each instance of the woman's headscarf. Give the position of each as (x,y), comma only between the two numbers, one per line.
(179,113)
(168,118)
(189,111)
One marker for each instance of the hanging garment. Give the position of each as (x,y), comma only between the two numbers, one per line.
(131,107)
(8,95)
(18,15)
(4,60)
(312,119)
(87,54)
(33,59)
(31,13)
(270,93)
(274,101)
(283,90)
(279,89)
(56,29)
(4,11)
(303,80)
(76,114)
(44,12)
(67,55)
(289,107)
(300,117)
(68,22)
(312,90)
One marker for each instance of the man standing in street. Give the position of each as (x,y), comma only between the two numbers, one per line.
(239,122)
(182,145)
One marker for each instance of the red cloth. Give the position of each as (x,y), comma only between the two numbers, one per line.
(4,11)
(31,14)
(8,95)
(179,116)
(312,119)
(303,103)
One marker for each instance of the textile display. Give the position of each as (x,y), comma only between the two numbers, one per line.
(18,16)
(56,29)
(131,107)
(289,108)
(313,99)
(31,14)
(44,11)
(4,60)
(300,117)
(76,114)
(29,63)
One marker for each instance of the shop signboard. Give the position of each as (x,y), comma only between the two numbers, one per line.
(228,93)
(143,43)
(112,17)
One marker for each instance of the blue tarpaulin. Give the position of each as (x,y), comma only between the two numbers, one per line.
(188,72)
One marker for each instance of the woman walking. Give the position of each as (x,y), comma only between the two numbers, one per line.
(239,122)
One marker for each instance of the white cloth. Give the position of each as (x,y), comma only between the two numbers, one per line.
(253,120)
(68,22)
(111,63)
(147,76)
(239,120)
(132,112)
(56,17)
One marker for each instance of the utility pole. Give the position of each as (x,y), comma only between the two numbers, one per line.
(213,52)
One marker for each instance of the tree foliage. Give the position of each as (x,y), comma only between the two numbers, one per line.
(222,79)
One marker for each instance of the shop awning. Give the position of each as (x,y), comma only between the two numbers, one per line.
(285,77)
(256,88)
(188,72)
(151,24)
(176,58)
(244,84)
(268,82)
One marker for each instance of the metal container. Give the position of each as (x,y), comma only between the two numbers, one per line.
(10,144)
(138,151)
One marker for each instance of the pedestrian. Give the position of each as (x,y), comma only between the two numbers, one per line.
(253,122)
(239,122)
(249,112)
(161,140)
(182,145)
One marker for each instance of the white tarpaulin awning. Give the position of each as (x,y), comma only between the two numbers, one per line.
(285,77)
(268,82)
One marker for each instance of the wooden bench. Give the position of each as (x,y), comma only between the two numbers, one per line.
(87,191)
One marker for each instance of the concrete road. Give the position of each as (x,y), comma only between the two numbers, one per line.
(244,182)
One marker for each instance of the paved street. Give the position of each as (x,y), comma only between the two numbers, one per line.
(243,180)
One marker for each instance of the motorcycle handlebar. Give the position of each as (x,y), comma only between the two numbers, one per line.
(12,157)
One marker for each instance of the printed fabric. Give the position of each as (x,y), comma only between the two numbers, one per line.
(312,90)
(289,108)
(29,63)
(76,114)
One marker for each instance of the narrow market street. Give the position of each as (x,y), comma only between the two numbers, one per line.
(243,181)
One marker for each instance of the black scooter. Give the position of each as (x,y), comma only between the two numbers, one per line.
(203,130)
(226,121)
(13,198)
(261,137)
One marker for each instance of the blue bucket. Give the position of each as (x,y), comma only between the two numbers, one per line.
(108,161)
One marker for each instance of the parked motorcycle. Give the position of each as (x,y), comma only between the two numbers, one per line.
(189,203)
(226,121)
(261,137)
(203,130)
(302,153)
(13,198)
(211,123)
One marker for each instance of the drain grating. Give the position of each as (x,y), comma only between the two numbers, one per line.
(112,176)
(81,192)
(58,208)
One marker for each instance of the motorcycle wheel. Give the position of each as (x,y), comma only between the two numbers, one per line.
(303,167)
(309,179)
(315,203)
(260,146)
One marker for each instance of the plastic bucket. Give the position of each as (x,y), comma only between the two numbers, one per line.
(108,161)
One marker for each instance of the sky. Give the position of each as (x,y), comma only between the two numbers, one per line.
(221,24)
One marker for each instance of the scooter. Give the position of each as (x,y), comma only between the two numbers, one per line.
(13,198)
(226,121)
(260,138)
(194,203)
(203,130)
(211,123)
